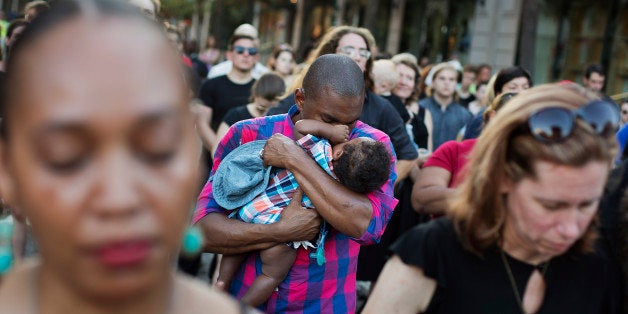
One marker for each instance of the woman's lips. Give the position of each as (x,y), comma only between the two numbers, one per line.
(124,254)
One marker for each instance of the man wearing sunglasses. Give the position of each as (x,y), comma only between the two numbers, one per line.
(224,67)
(233,89)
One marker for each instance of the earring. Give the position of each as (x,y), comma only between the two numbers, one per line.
(192,241)
(6,254)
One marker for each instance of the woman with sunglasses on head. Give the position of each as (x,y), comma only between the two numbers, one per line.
(102,166)
(520,232)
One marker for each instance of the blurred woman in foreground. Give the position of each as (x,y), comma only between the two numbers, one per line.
(100,159)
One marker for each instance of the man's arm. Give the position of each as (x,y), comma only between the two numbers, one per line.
(231,236)
(430,192)
(336,134)
(347,211)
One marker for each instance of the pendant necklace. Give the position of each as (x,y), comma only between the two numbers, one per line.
(542,268)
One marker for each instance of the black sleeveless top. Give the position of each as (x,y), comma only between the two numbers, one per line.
(468,283)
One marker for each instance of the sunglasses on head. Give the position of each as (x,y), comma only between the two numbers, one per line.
(240,50)
(351,51)
(554,124)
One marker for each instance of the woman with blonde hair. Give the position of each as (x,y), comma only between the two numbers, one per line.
(519,237)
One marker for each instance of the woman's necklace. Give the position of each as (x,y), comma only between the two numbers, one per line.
(542,268)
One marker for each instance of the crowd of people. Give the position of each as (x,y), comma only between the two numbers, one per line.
(351,182)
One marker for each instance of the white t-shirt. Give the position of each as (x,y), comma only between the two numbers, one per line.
(224,67)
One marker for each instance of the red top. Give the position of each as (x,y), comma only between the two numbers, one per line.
(452,156)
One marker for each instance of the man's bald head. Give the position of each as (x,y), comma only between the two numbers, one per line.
(334,72)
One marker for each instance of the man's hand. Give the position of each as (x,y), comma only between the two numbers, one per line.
(298,223)
(279,149)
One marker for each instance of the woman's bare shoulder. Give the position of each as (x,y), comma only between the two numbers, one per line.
(197,297)
(15,288)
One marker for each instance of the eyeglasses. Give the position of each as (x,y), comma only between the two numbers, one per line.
(624,112)
(240,50)
(555,124)
(351,51)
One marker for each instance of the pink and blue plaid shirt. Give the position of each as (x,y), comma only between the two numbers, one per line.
(309,287)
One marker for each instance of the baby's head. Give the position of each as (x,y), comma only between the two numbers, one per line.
(361,164)
(385,76)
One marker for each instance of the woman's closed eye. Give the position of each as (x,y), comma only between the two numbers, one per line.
(157,140)
(67,164)
(553,205)
(589,204)
(558,205)
(64,151)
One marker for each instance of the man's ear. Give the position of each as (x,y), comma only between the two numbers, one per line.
(299,98)
(229,54)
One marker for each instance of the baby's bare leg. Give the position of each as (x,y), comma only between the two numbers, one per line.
(228,268)
(276,262)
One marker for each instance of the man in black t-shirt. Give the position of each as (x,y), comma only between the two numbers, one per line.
(233,89)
